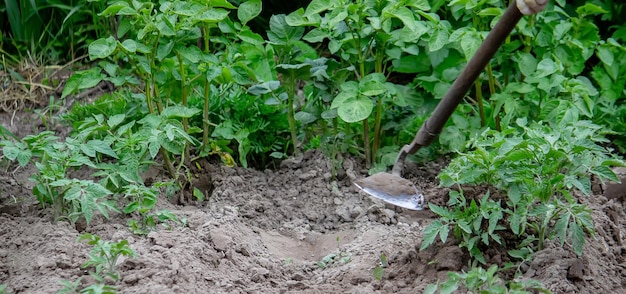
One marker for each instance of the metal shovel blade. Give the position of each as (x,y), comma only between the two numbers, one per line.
(392,189)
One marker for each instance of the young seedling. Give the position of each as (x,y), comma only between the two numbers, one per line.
(105,255)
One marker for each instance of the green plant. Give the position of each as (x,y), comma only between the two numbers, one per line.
(379,270)
(467,223)
(105,255)
(114,149)
(70,287)
(50,29)
(334,259)
(538,167)
(367,36)
(479,280)
(99,289)
(74,288)
(259,127)
(69,198)
(175,67)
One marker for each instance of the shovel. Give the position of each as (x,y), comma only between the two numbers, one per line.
(396,190)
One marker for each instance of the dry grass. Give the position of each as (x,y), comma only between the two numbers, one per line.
(29,83)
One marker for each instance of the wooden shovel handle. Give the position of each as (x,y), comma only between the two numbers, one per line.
(432,126)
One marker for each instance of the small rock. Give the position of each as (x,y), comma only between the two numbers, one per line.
(161,240)
(308,175)
(344,213)
(356,211)
(221,240)
(297,277)
(311,215)
(449,258)
(616,190)
(259,274)
(576,269)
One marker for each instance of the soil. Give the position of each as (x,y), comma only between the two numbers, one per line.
(268,232)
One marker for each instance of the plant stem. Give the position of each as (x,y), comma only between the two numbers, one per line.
(291,90)
(207,85)
(366,139)
(541,238)
(183,87)
(492,91)
(481,107)
(379,107)
(378,119)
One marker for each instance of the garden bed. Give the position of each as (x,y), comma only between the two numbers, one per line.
(289,230)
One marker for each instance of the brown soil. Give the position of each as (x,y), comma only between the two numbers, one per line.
(266,231)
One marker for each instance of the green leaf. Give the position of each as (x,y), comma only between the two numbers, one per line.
(406,16)
(99,146)
(470,43)
(560,228)
(102,48)
(604,172)
(590,9)
(373,84)
(440,211)
(527,63)
(281,33)
(521,253)
(578,238)
(317,6)
(222,3)
(180,111)
(438,39)
(356,109)
(82,80)
(191,53)
(264,88)
(164,49)
(212,15)
(378,272)
(465,226)
(114,8)
(431,289)
(294,72)
(17,151)
(605,55)
(248,36)
(115,120)
(449,287)
(545,68)
(129,45)
(430,233)
(305,117)
(249,10)
(316,35)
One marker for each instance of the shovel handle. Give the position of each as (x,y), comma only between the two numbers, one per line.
(433,125)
